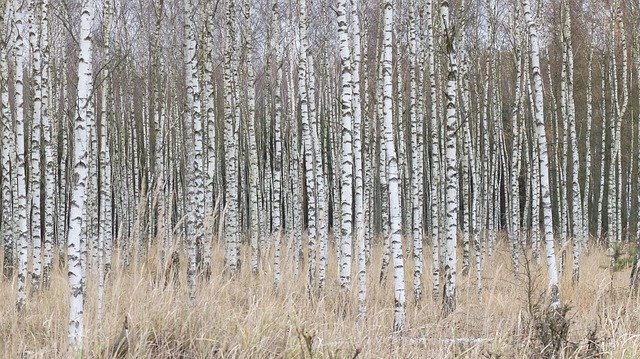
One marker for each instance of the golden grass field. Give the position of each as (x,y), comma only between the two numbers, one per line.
(243,317)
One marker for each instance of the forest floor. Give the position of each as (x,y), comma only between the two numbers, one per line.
(244,317)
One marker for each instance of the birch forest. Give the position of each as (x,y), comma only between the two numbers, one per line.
(320,178)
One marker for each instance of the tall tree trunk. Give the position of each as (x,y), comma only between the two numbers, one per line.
(80,160)
(21,213)
(35,172)
(8,150)
(451,164)
(392,173)
(534,53)
(195,234)
(346,167)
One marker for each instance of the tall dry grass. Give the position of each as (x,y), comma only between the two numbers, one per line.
(243,316)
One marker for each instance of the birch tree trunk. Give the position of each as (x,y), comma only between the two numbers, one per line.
(357,155)
(253,151)
(577,221)
(309,153)
(451,164)
(35,173)
(534,53)
(8,149)
(20,214)
(435,157)
(231,211)
(392,173)
(416,159)
(346,186)
(50,187)
(105,236)
(195,234)
(80,160)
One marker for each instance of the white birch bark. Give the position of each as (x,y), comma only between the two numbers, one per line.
(253,151)
(620,111)
(308,148)
(515,163)
(63,204)
(277,121)
(534,53)
(20,214)
(346,166)
(603,149)
(322,204)
(435,157)
(210,160)
(577,221)
(195,234)
(50,187)
(278,157)
(534,179)
(587,182)
(451,163)
(105,236)
(80,152)
(8,149)
(35,172)
(357,156)
(231,212)
(416,158)
(392,173)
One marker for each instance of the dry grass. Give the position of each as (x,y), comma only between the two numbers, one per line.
(244,317)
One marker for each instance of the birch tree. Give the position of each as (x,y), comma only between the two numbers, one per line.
(105,234)
(231,211)
(34,149)
(395,230)
(80,170)
(358,200)
(347,150)
(435,156)
(576,203)
(20,214)
(534,54)
(193,118)
(451,163)
(8,147)
(50,186)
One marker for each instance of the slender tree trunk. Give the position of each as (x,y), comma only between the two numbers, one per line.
(8,150)
(392,173)
(253,151)
(50,188)
(231,211)
(35,172)
(577,221)
(451,164)
(195,234)
(105,236)
(20,214)
(534,53)
(346,187)
(80,160)
(417,179)
(435,158)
